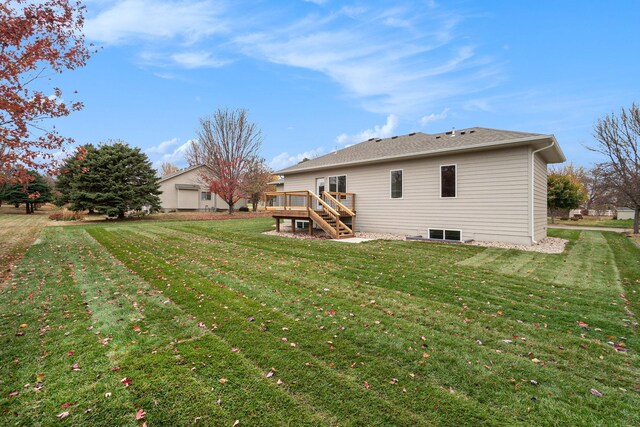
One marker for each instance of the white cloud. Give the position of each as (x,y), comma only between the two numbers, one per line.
(285,159)
(160,153)
(198,60)
(434,117)
(398,60)
(377,131)
(128,21)
(163,146)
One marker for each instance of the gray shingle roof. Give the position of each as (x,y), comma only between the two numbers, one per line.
(179,172)
(419,144)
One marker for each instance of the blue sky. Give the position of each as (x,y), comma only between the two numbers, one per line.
(317,75)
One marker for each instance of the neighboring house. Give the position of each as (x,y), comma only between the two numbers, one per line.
(184,190)
(625,213)
(474,184)
(278,184)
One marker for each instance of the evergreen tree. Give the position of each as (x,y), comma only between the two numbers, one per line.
(110,179)
(32,193)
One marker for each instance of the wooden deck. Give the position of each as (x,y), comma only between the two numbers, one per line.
(332,212)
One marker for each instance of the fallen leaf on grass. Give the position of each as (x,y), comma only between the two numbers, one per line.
(366,385)
(236,423)
(596,393)
(24,325)
(140,414)
(136,328)
(63,415)
(70,353)
(581,323)
(14,394)
(279,382)
(126,381)
(19,333)
(222,380)
(75,367)
(66,405)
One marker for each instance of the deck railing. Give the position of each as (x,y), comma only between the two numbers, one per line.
(315,207)
(344,203)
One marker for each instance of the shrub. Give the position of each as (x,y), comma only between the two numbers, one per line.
(243,209)
(66,216)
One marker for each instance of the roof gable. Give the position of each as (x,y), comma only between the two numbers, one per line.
(181,172)
(420,144)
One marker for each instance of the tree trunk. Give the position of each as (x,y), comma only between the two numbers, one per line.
(254,204)
(230,207)
(26,206)
(120,215)
(553,216)
(636,220)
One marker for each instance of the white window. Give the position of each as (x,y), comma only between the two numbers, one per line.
(338,184)
(396,184)
(205,195)
(448,181)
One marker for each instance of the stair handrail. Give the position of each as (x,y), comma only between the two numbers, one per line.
(339,204)
(325,205)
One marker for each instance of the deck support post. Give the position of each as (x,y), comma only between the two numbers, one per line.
(293,226)
(310,226)
(278,225)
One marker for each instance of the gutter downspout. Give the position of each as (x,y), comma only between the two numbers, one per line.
(533,173)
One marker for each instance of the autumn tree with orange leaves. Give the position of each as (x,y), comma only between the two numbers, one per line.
(38,39)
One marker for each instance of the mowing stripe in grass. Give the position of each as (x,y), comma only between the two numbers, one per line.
(302,370)
(557,308)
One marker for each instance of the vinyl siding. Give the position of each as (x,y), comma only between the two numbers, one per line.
(540,198)
(492,202)
(174,199)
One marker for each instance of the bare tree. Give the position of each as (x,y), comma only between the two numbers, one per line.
(166,168)
(227,143)
(617,139)
(256,181)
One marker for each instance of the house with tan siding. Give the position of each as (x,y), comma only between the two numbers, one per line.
(472,184)
(185,190)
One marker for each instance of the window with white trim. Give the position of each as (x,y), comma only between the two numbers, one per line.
(338,184)
(396,184)
(205,195)
(448,178)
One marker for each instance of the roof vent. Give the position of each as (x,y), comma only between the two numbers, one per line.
(394,137)
(412,133)
(437,136)
(379,139)
(472,131)
(370,139)
(449,132)
(462,133)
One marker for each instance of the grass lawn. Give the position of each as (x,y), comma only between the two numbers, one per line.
(212,322)
(595,222)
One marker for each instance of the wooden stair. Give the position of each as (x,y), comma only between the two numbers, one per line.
(326,211)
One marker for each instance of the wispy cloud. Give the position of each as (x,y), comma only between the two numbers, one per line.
(389,59)
(162,147)
(378,131)
(285,159)
(129,21)
(434,117)
(167,152)
(418,63)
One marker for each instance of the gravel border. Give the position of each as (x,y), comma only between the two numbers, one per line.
(547,245)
